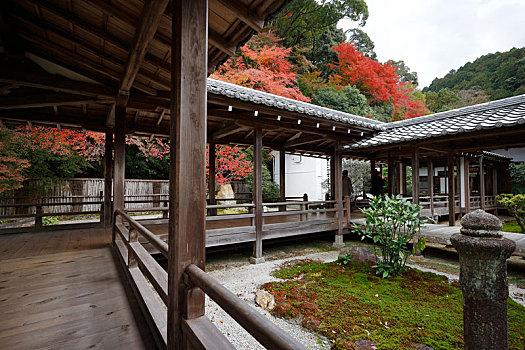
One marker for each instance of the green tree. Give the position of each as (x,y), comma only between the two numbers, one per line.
(517,175)
(322,53)
(515,204)
(347,99)
(302,22)
(363,43)
(443,100)
(404,72)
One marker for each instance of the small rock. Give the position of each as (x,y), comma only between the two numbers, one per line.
(362,255)
(364,344)
(265,300)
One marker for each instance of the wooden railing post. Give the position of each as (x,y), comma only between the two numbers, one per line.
(304,207)
(38,216)
(133,237)
(348,209)
(102,217)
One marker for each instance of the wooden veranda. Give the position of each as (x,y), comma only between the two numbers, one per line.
(140,67)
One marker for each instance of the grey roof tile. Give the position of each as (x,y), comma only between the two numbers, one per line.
(217,87)
(506,112)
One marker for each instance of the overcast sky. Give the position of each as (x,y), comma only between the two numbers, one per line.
(435,36)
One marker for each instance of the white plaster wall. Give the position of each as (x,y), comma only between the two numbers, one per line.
(303,175)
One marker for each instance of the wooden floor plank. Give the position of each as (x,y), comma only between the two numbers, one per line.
(75,298)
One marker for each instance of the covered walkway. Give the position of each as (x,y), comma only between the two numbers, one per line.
(63,290)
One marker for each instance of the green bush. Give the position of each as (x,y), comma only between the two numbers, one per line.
(391,222)
(344,259)
(515,204)
(50,220)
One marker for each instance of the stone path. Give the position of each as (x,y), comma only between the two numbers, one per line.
(435,233)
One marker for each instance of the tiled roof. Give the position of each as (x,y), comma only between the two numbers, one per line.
(263,98)
(502,113)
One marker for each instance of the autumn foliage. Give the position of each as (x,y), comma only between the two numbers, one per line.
(378,82)
(262,65)
(231,163)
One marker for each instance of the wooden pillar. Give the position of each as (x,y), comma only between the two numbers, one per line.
(431,185)
(187,208)
(495,187)
(257,196)
(120,155)
(108,167)
(466,177)
(390,175)
(211,176)
(404,180)
(332,177)
(399,178)
(451,187)
(415,176)
(457,183)
(282,179)
(481,183)
(338,189)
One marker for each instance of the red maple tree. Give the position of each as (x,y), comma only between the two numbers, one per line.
(262,65)
(379,82)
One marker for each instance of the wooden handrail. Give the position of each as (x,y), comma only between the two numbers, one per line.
(266,333)
(150,236)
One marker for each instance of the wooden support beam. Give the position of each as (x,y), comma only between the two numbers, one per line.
(481,182)
(245,14)
(216,40)
(23,72)
(303,141)
(451,194)
(161,116)
(466,177)
(495,186)
(257,195)
(415,176)
(282,178)
(391,176)
(430,170)
(120,155)
(47,100)
(227,131)
(338,192)
(187,200)
(108,162)
(211,177)
(152,13)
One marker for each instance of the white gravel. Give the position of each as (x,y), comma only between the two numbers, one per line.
(244,282)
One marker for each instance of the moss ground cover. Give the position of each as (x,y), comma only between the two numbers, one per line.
(350,304)
(512,227)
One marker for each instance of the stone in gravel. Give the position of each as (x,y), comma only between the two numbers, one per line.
(362,255)
(419,346)
(265,300)
(364,344)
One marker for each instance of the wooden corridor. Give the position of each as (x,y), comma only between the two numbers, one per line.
(63,290)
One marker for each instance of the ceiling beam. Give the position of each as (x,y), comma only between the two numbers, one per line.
(216,40)
(303,141)
(149,22)
(226,131)
(46,100)
(23,72)
(244,14)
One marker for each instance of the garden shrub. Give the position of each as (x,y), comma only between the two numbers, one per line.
(50,220)
(515,204)
(391,222)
